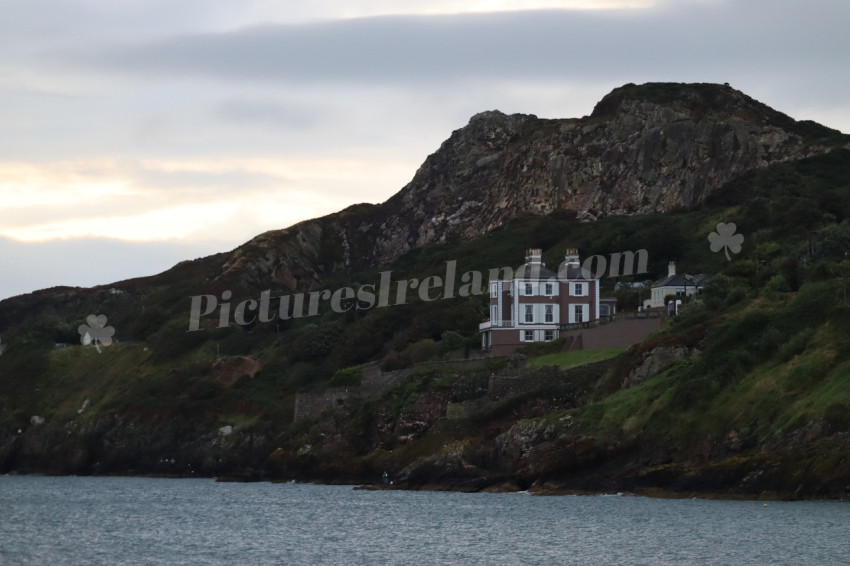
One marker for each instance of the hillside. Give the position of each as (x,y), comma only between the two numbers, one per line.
(755,402)
(648,148)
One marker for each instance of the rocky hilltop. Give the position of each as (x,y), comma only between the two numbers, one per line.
(645,148)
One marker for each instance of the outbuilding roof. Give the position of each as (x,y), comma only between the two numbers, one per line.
(684,281)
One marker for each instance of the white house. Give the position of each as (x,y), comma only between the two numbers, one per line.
(537,304)
(677,285)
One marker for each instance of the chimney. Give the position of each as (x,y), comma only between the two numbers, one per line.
(533,256)
(671,269)
(571,257)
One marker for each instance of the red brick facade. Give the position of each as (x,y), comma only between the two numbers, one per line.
(537,305)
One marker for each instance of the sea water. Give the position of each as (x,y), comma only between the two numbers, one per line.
(122,521)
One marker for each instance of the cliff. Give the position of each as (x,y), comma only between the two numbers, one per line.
(644,149)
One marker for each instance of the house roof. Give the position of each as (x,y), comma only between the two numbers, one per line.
(565,273)
(631,285)
(534,273)
(577,272)
(683,280)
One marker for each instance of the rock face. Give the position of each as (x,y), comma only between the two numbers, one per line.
(644,149)
(656,361)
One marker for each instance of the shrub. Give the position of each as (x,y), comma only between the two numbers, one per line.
(542,348)
(814,302)
(796,345)
(147,323)
(837,416)
(722,291)
(833,241)
(395,361)
(768,250)
(451,340)
(422,351)
(777,284)
(303,375)
(315,341)
(173,341)
(238,343)
(347,376)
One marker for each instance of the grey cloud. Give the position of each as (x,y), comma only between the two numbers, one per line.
(267,113)
(52,18)
(572,44)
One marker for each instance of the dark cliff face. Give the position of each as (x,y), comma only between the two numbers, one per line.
(647,148)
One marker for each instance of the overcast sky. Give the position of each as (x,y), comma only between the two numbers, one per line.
(138,133)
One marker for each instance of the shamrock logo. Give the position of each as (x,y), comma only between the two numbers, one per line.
(96,332)
(726,239)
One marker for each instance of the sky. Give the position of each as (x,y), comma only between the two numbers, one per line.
(135,134)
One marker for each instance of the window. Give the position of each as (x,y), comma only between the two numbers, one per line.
(494,291)
(550,335)
(550,316)
(529,313)
(529,336)
(579,289)
(548,288)
(528,288)
(578,313)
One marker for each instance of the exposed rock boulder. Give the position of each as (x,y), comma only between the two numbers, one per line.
(657,360)
(515,445)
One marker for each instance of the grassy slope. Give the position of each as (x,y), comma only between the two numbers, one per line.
(566,360)
(769,366)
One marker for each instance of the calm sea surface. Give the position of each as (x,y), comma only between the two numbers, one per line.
(117,521)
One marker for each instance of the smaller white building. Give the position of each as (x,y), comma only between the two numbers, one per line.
(676,285)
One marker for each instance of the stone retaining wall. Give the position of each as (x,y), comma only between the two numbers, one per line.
(513,378)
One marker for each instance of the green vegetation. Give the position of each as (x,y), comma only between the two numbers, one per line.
(347,376)
(565,360)
(768,345)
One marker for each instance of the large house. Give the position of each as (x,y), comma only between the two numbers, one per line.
(677,285)
(537,304)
